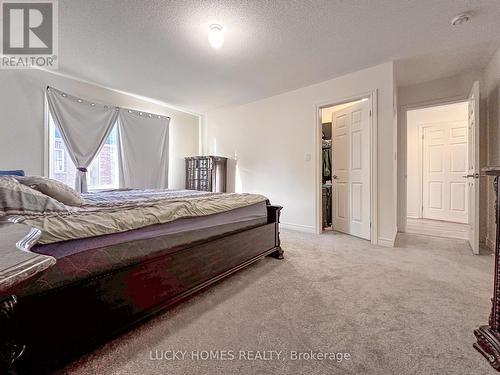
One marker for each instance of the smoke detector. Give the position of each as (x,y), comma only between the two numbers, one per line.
(460,19)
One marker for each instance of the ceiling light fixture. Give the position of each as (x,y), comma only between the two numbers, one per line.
(216,36)
(460,19)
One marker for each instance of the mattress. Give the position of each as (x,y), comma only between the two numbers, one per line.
(241,215)
(80,259)
(121,211)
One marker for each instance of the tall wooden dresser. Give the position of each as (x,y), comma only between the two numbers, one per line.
(488,336)
(206,173)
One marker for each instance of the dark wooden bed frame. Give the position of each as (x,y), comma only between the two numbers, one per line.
(60,324)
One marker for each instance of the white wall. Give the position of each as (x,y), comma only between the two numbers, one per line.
(22,120)
(445,89)
(416,118)
(491,90)
(270,139)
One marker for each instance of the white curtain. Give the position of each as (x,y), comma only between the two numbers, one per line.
(84,127)
(143,141)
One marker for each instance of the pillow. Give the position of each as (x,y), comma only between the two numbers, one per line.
(14,172)
(53,188)
(19,199)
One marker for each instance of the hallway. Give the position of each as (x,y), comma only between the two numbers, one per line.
(437,228)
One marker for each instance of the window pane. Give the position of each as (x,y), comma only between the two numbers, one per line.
(102,173)
(61,167)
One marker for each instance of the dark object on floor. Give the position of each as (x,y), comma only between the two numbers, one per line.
(488,336)
(327,206)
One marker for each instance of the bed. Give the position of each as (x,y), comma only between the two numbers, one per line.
(114,272)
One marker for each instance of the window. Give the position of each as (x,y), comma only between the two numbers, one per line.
(59,164)
(102,173)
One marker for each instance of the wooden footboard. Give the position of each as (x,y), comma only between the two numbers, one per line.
(83,314)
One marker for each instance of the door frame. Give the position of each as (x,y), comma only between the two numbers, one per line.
(420,163)
(403,153)
(373,123)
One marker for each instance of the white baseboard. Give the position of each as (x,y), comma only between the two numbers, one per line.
(388,242)
(298,227)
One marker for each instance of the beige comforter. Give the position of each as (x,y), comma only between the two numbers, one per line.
(119,211)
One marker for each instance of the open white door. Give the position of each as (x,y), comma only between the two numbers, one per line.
(351,170)
(473,168)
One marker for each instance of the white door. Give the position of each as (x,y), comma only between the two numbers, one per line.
(351,170)
(444,163)
(472,176)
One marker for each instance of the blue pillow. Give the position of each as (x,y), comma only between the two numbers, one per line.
(16,172)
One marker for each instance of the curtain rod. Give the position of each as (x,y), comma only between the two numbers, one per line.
(79,100)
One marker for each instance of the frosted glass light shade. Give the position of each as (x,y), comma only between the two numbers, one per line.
(216,36)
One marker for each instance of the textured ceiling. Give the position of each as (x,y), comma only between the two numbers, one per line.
(159,49)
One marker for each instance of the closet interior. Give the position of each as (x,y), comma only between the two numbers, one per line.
(326,169)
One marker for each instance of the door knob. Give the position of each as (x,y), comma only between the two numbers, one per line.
(334,176)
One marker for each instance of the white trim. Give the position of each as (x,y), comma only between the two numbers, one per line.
(46,136)
(372,97)
(420,163)
(201,132)
(402,159)
(298,227)
(388,242)
(374,169)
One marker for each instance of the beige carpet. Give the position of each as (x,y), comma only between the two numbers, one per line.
(407,310)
